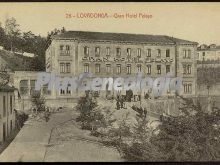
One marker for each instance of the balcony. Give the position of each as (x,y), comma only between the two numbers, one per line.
(65,53)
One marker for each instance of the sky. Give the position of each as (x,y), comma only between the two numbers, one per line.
(192,21)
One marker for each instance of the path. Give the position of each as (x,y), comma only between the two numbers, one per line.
(31,143)
(69,143)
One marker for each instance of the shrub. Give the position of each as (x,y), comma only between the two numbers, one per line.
(88,117)
(38,101)
(194,135)
(20,118)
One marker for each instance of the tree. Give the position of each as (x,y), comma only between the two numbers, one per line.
(4,77)
(192,136)
(63,30)
(54,32)
(2,35)
(12,30)
(37,64)
(88,115)
(38,101)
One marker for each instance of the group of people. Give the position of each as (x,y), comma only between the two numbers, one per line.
(120,102)
(47,111)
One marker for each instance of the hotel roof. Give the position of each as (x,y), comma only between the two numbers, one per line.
(121,37)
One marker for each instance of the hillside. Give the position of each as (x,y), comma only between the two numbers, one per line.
(15,62)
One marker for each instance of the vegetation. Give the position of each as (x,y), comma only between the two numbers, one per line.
(15,61)
(208,76)
(13,39)
(38,101)
(4,78)
(20,118)
(194,135)
(88,116)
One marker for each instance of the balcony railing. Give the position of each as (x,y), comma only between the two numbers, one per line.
(65,53)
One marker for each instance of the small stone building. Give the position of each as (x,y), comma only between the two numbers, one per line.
(7,114)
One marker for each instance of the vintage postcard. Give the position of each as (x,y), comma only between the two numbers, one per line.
(109,82)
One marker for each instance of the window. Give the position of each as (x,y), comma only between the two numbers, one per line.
(148,52)
(118,52)
(62,67)
(148,69)
(67,50)
(138,68)
(62,92)
(45,90)
(158,69)
(167,68)
(108,68)
(139,52)
(129,52)
(61,47)
(158,53)
(32,83)
(11,97)
(107,51)
(118,68)
(86,51)
(68,67)
(184,53)
(129,69)
(86,68)
(187,69)
(97,68)
(187,53)
(68,90)
(4,106)
(97,51)
(168,53)
(24,87)
(184,69)
(187,87)
(67,47)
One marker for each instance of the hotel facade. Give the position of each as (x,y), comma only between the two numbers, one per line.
(122,55)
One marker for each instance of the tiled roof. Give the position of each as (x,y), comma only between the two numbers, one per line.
(121,37)
(209,49)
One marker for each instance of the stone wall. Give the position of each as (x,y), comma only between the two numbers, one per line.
(214,90)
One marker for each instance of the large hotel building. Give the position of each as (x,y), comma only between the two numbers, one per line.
(122,55)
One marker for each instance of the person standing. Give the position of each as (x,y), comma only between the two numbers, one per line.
(145,112)
(121,102)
